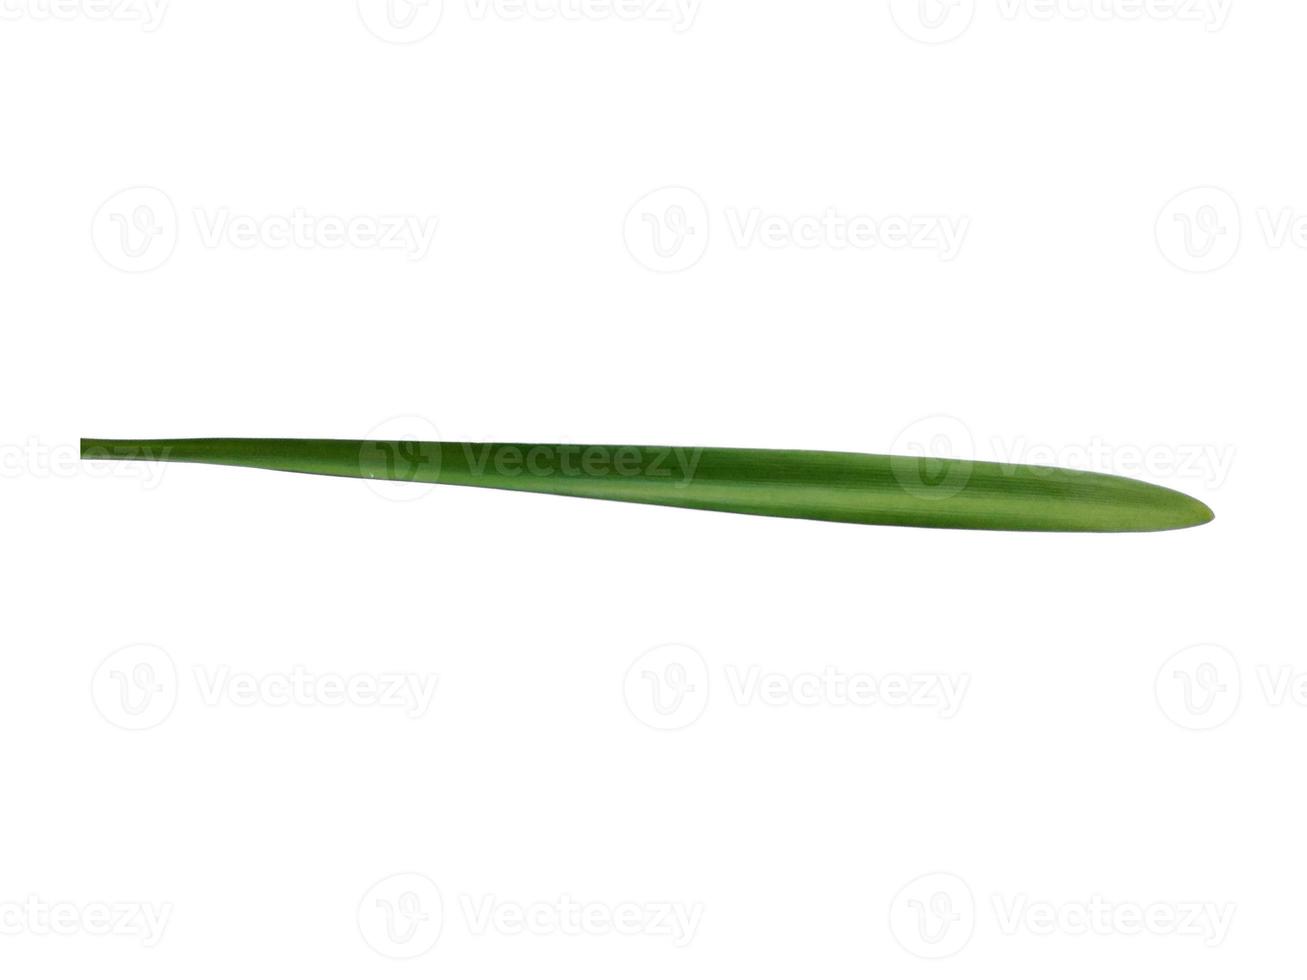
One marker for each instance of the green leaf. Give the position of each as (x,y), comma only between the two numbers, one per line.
(847,487)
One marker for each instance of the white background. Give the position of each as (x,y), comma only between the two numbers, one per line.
(1095,314)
